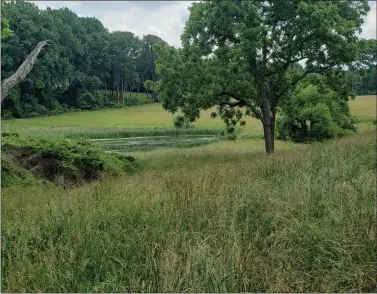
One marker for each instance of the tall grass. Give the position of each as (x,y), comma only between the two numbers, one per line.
(302,221)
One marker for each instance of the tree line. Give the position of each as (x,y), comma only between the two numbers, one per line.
(82,66)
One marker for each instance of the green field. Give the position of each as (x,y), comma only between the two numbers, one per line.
(147,117)
(135,117)
(222,217)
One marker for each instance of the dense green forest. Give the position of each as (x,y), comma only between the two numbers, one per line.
(84,67)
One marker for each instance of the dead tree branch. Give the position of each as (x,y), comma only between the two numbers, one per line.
(22,71)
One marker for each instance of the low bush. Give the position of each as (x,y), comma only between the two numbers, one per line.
(110,104)
(181,122)
(86,101)
(65,161)
(7,114)
(314,114)
(131,102)
(34,110)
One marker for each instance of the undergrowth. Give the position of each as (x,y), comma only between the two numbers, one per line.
(65,161)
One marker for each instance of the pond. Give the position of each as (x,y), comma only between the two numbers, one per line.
(152,142)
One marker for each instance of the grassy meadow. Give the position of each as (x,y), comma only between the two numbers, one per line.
(223,217)
(141,117)
(364,107)
(151,116)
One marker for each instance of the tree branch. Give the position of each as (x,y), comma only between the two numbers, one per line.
(241,102)
(253,65)
(293,83)
(285,67)
(298,49)
(22,71)
(300,78)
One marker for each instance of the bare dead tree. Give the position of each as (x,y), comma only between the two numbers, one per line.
(22,71)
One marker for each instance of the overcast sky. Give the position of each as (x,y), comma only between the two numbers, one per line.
(165,19)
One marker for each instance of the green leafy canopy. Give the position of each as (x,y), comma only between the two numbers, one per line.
(245,54)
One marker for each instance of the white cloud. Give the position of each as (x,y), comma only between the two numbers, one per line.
(369,26)
(55,4)
(165,19)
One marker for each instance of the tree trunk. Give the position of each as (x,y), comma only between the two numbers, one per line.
(138,88)
(118,94)
(269,114)
(269,137)
(22,71)
(105,87)
(122,92)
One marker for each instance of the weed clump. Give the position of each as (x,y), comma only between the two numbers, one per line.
(65,161)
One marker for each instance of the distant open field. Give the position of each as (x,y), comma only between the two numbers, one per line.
(134,117)
(152,116)
(141,116)
(364,107)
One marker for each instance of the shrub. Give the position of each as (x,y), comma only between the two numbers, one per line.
(56,108)
(100,99)
(55,112)
(86,101)
(314,114)
(33,110)
(10,107)
(181,122)
(321,123)
(40,109)
(59,159)
(110,104)
(31,114)
(14,175)
(7,114)
(131,102)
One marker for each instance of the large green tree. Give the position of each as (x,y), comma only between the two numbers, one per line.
(148,59)
(241,54)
